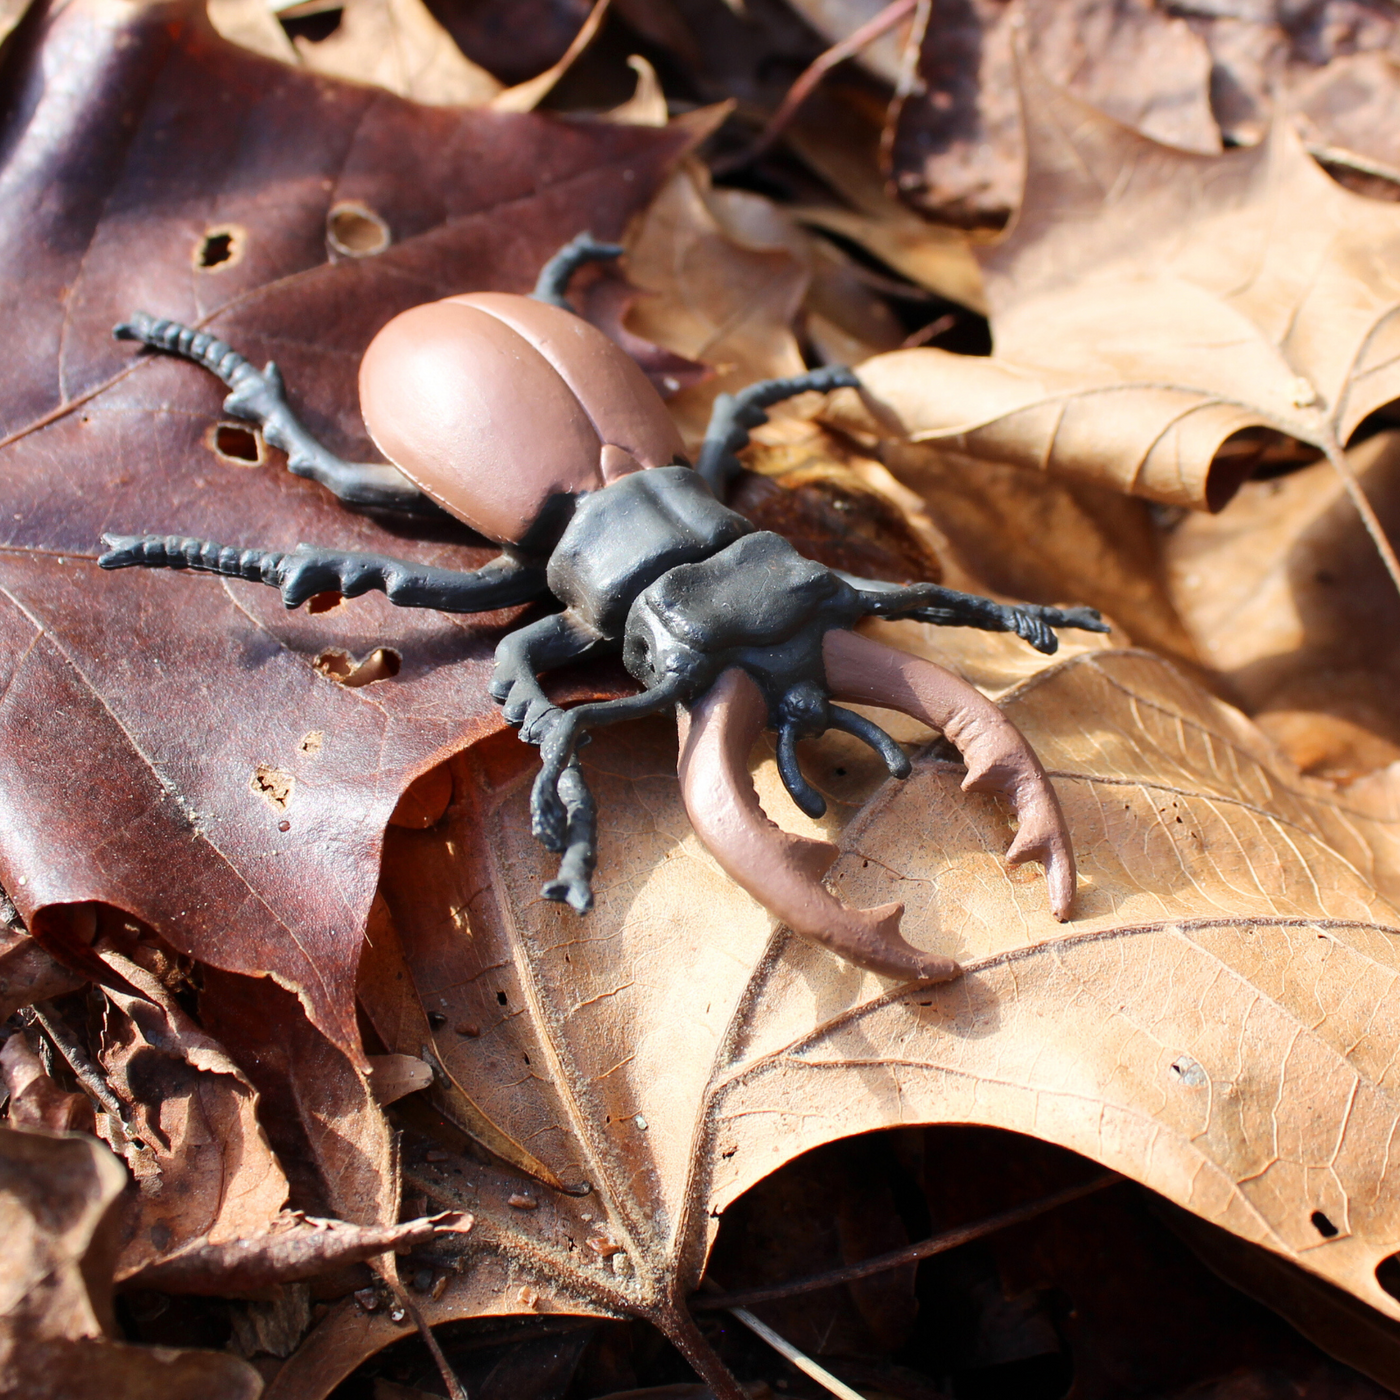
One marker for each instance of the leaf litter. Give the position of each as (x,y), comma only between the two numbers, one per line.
(579,1109)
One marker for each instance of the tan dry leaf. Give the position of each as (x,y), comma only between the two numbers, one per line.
(398,45)
(1150,303)
(205,1167)
(1285,598)
(1218,1021)
(59,1195)
(726,272)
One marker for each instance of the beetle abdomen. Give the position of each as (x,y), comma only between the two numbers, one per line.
(494,403)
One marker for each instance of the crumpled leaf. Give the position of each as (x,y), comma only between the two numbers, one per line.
(1216,1021)
(1151,304)
(140,708)
(59,1197)
(36,1100)
(203,1166)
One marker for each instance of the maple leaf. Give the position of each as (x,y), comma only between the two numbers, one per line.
(182,755)
(1150,304)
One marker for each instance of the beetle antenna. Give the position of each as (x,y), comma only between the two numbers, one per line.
(554,276)
(896,760)
(808,799)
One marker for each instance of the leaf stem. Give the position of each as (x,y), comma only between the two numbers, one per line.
(1368,516)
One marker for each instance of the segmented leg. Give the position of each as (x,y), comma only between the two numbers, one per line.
(561,807)
(259,397)
(522,654)
(945,607)
(554,277)
(998,757)
(303,572)
(573,885)
(734,414)
(783,872)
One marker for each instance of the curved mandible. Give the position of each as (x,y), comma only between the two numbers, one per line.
(999,759)
(782,871)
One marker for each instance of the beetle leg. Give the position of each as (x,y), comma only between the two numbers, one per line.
(782,871)
(554,276)
(303,572)
(734,414)
(259,397)
(522,654)
(573,884)
(548,816)
(998,757)
(945,607)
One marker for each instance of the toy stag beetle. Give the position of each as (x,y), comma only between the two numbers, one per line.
(530,425)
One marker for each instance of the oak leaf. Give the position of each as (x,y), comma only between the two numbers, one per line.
(1216,1022)
(1150,304)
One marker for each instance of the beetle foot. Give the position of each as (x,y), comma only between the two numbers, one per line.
(573,884)
(1033,623)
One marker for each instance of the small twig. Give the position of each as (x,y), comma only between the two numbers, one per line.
(908,77)
(932,331)
(84,1071)
(802,89)
(800,1359)
(455,1389)
(1368,516)
(910,1254)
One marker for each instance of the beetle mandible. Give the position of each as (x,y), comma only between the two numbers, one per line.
(521,419)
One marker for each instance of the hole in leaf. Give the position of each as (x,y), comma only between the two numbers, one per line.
(1323,1225)
(315,22)
(501,997)
(341,667)
(220,248)
(273,785)
(324,602)
(1388,1274)
(236,444)
(355,231)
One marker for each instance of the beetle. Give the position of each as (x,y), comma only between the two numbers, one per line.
(522,420)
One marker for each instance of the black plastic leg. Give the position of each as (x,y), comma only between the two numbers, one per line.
(945,607)
(734,414)
(521,655)
(259,397)
(303,572)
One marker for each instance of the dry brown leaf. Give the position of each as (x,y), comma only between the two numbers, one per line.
(1285,598)
(1046,540)
(204,1167)
(960,149)
(36,1100)
(1150,303)
(59,1197)
(1217,1021)
(293,1247)
(837,139)
(27,972)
